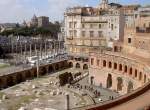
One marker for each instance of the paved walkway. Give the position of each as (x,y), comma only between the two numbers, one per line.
(135,104)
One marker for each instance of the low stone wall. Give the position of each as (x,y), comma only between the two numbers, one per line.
(121,100)
(18,77)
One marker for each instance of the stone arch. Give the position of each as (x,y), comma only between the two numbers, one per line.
(85,67)
(104,63)
(92,80)
(19,78)
(1,84)
(57,67)
(109,81)
(120,67)
(130,87)
(61,65)
(144,78)
(70,64)
(135,73)
(35,73)
(10,81)
(43,71)
(130,72)
(77,65)
(109,65)
(50,69)
(115,66)
(119,84)
(125,69)
(28,74)
(140,76)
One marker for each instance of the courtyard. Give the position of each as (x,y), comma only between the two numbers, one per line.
(45,93)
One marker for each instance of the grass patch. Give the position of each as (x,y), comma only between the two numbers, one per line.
(1,95)
(4,65)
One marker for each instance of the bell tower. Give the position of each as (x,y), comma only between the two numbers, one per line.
(104,1)
(103,4)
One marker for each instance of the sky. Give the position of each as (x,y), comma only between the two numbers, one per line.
(20,10)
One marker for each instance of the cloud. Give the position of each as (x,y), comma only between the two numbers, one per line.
(18,10)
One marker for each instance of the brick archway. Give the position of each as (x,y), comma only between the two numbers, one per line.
(115,66)
(119,84)
(130,87)
(78,65)
(120,67)
(109,81)
(110,65)
(104,63)
(125,69)
(28,75)
(10,81)
(19,78)
(70,64)
(43,71)
(85,67)
(57,67)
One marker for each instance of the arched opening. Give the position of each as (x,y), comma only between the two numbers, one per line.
(135,72)
(125,69)
(92,80)
(77,65)
(110,65)
(57,67)
(70,64)
(85,67)
(115,66)
(144,78)
(50,69)
(1,84)
(130,87)
(10,81)
(109,81)
(43,71)
(119,84)
(104,63)
(140,76)
(19,78)
(130,72)
(120,67)
(28,74)
(35,73)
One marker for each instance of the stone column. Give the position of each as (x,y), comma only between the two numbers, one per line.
(67,102)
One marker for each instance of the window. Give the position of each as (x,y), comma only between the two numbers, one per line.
(83,26)
(112,26)
(83,33)
(71,33)
(91,25)
(97,62)
(100,26)
(75,33)
(70,24)
(99,33)
(144,25)
(91,33)
(75,24)
(92,61)
(129,40)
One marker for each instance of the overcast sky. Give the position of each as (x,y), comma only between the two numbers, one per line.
(19,10)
